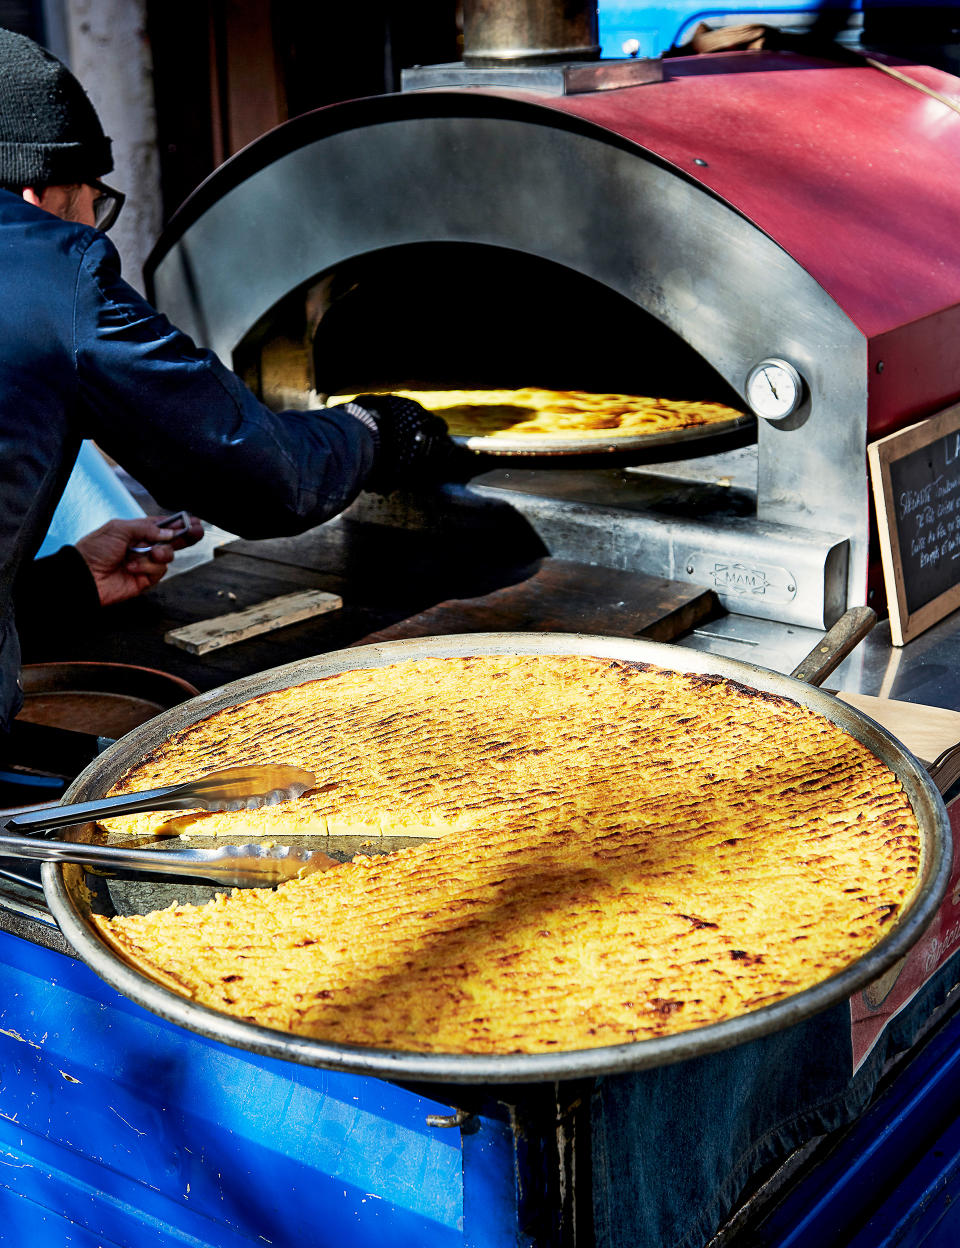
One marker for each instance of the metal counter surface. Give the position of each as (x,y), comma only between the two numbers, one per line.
(925,671)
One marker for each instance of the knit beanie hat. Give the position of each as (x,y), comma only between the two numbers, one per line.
(50,134)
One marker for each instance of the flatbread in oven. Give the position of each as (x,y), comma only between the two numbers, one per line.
(561,414)
(620,852)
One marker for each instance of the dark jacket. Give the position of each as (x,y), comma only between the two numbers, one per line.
(82,355)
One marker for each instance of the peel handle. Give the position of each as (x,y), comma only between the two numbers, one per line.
(835,645)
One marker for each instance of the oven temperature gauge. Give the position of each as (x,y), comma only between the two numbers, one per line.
(774,389)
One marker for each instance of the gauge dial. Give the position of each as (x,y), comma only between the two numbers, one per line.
(774,389)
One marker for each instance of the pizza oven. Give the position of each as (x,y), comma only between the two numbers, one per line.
(761,229)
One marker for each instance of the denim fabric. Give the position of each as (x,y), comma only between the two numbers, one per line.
(82,355)
(674,1148)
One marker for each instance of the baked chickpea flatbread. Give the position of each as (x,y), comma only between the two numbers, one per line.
(561,414)
(617,852)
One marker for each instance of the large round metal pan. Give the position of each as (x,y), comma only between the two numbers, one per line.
(107,699)
(70,899)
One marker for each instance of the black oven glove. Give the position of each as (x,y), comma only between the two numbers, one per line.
(413,446)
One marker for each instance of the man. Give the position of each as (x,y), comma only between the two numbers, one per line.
(83,355)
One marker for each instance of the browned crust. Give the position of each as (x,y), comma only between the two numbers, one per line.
(555,415)
(625,853)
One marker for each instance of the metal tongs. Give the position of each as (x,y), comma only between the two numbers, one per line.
(236,788)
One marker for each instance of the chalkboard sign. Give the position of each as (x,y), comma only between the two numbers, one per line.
(916,487)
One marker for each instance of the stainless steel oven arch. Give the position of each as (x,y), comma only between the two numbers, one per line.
(467,167)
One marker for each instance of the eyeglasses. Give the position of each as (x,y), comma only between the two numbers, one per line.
(106,205)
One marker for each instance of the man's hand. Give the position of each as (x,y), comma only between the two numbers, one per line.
(116,572)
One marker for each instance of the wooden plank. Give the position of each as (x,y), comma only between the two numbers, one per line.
(916,487)
(249,74)
(390,585)
(925,730)
(263,617)
(134,631)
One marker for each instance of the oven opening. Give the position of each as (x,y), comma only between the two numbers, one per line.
(457,316)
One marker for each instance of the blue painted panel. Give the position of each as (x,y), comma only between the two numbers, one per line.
(490,1197)
(113,1121)
(25,1224)
(897,1171)
(923,1210)
(658,26)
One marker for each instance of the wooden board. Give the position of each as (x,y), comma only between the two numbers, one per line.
(925,730)
(262,617)
(559,595)
(916,486)
(390,582)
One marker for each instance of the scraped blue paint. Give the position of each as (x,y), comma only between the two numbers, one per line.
(118,1127)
